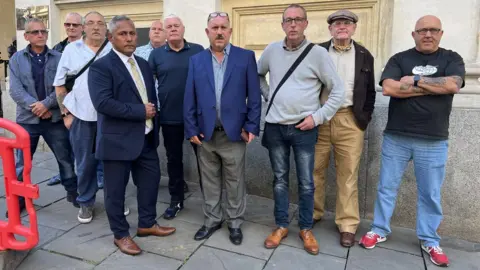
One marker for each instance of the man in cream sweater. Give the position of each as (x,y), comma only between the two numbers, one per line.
(293,116)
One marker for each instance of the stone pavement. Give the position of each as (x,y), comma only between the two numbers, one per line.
(66,244)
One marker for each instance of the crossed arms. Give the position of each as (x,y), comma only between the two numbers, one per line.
(426,86)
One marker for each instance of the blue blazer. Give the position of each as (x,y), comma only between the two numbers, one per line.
(121,112)
(241,103)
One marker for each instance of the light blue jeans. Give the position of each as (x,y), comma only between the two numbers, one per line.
(429,159)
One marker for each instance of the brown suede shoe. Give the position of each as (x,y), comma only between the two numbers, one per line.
(155,230)
(273,240)
(347,239)
(309,242)
(127,246)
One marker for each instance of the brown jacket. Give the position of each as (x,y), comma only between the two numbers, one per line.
(364,85)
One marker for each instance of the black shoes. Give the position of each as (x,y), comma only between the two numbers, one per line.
(21,203)
(236,236)
(205,233)
(172,211)
(72,197)
(55,180)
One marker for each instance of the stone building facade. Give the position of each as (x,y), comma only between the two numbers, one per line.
(384,28)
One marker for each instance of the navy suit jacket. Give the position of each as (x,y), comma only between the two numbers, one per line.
(121,112)
(241,103)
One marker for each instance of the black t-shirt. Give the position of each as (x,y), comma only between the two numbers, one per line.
(423,116)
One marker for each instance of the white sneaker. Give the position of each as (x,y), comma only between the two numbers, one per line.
(85,214)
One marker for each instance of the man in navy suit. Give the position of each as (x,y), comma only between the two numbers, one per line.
(123,93)
(222,109)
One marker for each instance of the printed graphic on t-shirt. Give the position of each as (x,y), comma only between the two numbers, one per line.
(427,70)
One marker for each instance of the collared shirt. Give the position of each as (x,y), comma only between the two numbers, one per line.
(170,68)
(218,73)
(75,56)
(38,71)
(125,59)
(144,51)
(345,65)
(285,47)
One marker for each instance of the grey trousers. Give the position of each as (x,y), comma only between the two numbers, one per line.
(222,165)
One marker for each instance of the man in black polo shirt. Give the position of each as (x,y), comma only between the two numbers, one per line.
(421,83)
(170,67)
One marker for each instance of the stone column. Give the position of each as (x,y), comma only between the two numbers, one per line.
(194,15)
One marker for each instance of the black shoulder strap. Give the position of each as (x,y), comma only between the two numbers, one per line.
(91,61)
(289,72)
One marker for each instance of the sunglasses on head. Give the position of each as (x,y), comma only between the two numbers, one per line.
(217,14)
(71,24)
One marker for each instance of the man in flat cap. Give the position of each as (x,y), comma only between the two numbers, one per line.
(345,131)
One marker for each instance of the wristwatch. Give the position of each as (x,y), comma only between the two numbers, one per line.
(416,79)
(65,114)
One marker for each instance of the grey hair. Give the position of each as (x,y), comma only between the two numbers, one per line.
(82,19)
(172,16)
(112,25)
(93,12)
(29,21)
(295,6)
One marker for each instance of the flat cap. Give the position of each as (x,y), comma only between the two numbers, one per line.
(342,14)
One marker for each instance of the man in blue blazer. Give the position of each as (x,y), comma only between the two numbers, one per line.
(123,93)
(222,107)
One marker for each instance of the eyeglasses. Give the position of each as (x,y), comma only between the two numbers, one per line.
(91,23)
(37,32)
(217,14)
(424,31)
(339,23)
(291,20)
(71,25)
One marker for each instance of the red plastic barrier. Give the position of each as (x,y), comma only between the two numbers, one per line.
(14,189)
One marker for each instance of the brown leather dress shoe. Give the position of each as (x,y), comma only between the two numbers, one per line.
(155,230)
(309,243)
(273,240)
(127,246)
(347,239)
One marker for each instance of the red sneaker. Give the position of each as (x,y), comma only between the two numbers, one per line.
(370,239)
(436,255)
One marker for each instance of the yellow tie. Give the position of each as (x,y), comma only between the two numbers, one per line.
(140,87)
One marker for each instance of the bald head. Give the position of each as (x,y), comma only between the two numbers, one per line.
(428,21)
(427,34)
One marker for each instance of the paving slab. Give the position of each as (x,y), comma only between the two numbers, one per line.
(211,258)
(260,210)
(287,258)
(178,246)
(37,175)
(253,236)
(11,259)
(381,258)
(94,241)
(144,261)
(401,239)
(163,195)
(46,235)
(61,215)
(49,194)
(459,260)
(326,234)
(192,211)
(44,260)
(39,157)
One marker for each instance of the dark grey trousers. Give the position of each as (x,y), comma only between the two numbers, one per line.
(222,165)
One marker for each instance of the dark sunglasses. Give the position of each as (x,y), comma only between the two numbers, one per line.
(71,24)
(37,32)
(217,14)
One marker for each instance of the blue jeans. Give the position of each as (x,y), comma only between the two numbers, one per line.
(279,139)
(82,139)
(429,159)
(56,137)
(100,174)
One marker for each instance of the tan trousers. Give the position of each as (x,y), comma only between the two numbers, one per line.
(347,140)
